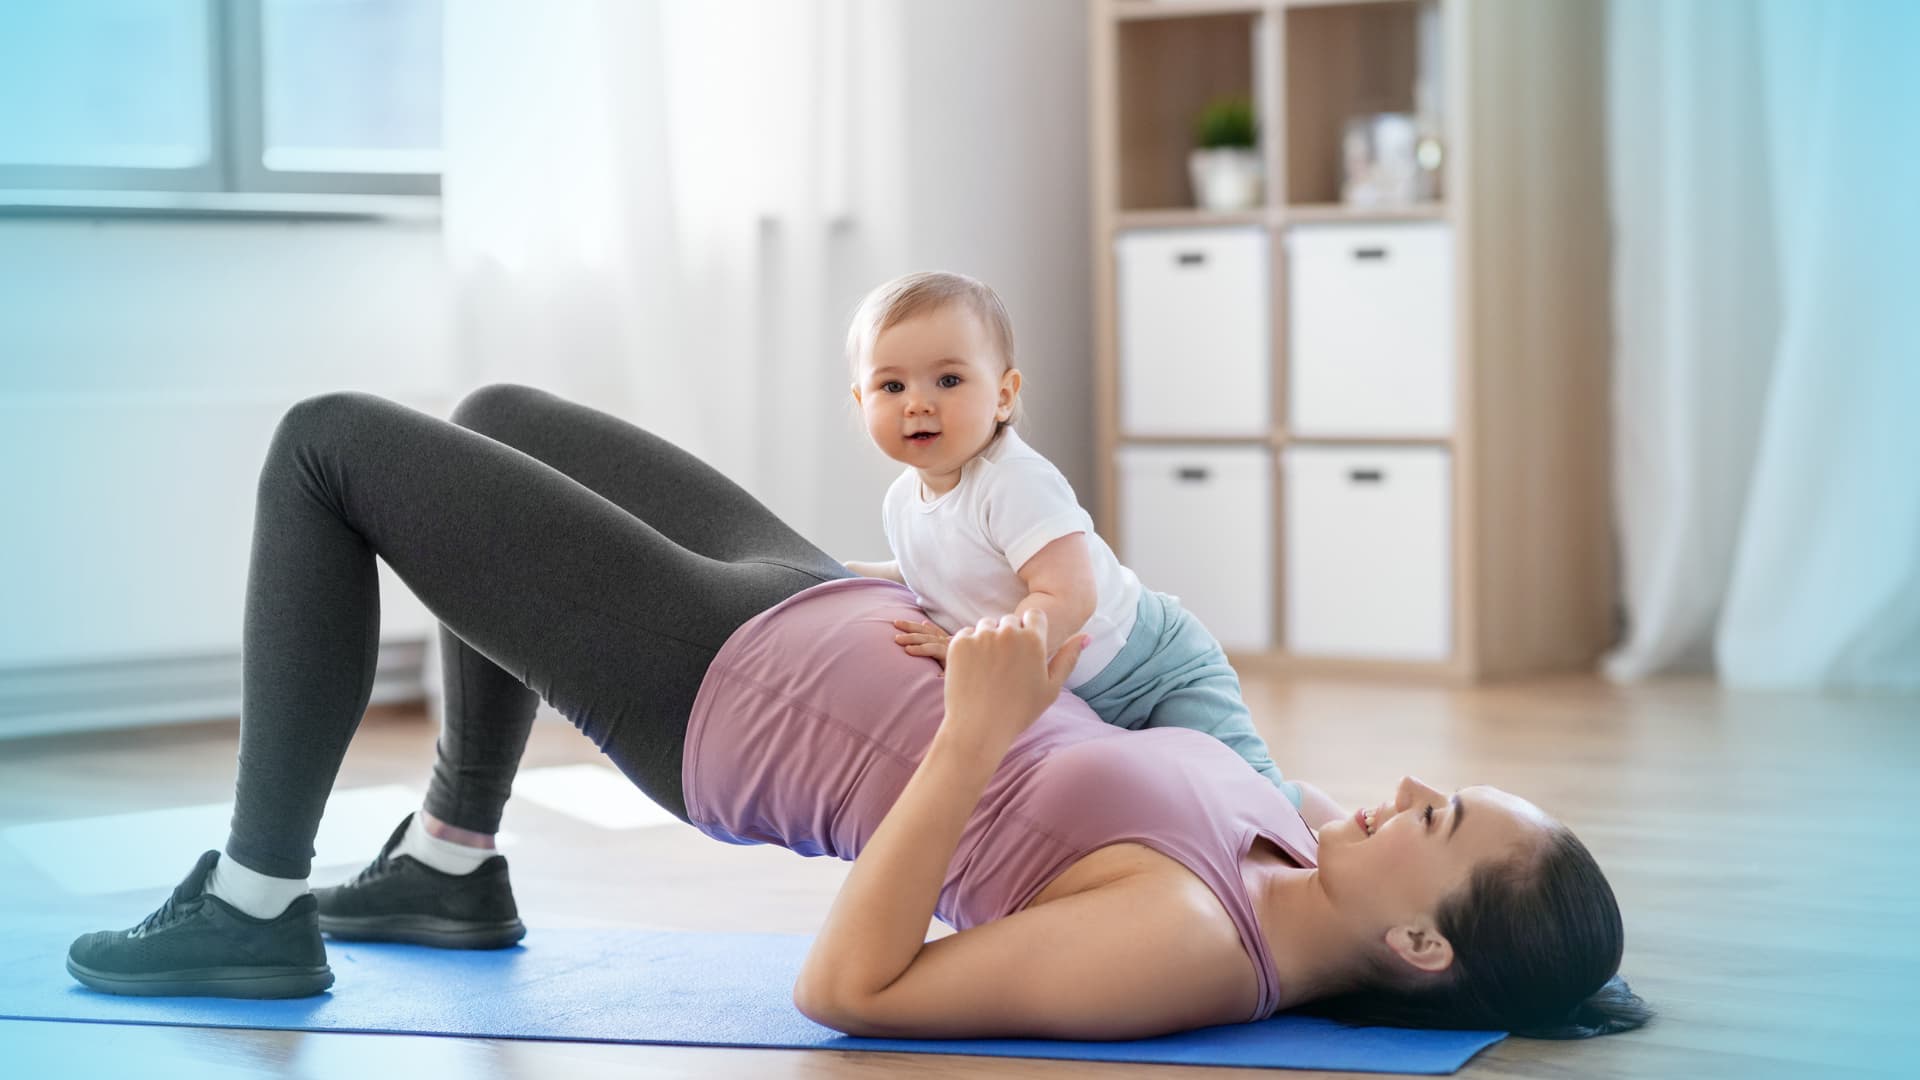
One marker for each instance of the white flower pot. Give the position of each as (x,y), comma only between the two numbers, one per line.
(1226,178)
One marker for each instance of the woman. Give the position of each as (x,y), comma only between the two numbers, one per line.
(1105,884)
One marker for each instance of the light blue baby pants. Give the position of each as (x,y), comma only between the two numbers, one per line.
(1172,673)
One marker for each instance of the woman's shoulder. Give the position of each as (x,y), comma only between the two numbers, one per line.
(1165,889)
(1173,925)
(1124,959)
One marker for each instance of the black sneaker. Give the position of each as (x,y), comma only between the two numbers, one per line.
(199,945)
(400,898)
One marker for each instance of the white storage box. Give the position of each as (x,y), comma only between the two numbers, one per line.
(1370,330)
(1368,552)
(1195,345)
(1198,523)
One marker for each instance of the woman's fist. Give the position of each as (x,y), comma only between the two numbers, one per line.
(998,677)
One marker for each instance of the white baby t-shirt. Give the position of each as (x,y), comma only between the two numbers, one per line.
(961,552)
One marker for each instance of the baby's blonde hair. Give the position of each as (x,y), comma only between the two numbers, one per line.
(896,301)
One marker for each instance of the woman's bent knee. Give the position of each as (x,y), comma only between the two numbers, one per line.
(327,412)
(491,404)
(313,429)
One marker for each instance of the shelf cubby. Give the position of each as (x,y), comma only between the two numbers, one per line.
(1344,60)
(1169,70)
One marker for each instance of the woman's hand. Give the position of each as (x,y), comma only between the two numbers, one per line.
(922,639)
(998,678)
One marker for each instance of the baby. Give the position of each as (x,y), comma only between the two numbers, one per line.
(982,525)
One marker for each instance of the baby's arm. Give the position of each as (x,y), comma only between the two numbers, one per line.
(1059,581)
(889,570)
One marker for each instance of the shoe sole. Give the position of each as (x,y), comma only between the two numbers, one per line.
(441,933)
(233,982)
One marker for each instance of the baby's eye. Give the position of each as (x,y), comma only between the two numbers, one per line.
(1426,816)
(892,387)
(948,382)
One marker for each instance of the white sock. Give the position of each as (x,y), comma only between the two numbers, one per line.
(446,856)
(251,891)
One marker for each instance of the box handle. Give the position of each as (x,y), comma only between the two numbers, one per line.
(1191,258)
(1376,254)
(1190,474)
(1366,476)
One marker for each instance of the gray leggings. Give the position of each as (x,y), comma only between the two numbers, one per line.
(568,555)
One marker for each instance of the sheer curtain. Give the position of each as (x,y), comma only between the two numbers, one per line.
(665,210)
(1767,363)
(661,208)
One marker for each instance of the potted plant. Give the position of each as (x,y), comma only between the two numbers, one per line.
(1225,162)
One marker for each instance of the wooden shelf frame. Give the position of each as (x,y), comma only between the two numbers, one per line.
(1188,217)
(1533,574)
(1127,10)
(1130,10)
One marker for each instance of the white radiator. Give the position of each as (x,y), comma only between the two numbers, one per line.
(125,531)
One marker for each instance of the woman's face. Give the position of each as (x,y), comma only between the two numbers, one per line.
(1388,868)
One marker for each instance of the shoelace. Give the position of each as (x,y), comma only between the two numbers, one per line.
(164,915)
(369,871)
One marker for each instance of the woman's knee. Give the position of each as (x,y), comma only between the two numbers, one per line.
(331,412)
(318,428)
(493,405)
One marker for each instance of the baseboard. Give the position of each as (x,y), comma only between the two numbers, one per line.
(65,698)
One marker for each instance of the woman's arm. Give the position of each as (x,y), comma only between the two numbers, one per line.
(1146,954)
(1143,955)
(998,683)
(878,922)
(889,570)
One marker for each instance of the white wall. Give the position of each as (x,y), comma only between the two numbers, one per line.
(980,166)
(998,186)
(992,182)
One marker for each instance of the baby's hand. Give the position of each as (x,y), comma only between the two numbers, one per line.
(922,639)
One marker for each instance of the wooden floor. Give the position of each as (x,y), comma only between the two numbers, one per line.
(1762,847)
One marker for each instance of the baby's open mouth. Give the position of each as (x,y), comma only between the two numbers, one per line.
(923,436)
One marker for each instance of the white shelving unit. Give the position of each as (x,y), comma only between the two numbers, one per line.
(1360,439)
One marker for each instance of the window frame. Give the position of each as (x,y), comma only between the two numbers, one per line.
(235,175)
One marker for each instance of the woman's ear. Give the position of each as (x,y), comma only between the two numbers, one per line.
(856,394)
(1421,947)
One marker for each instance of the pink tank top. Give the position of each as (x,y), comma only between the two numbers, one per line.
(811,720)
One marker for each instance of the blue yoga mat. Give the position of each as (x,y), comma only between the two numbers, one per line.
(639,986)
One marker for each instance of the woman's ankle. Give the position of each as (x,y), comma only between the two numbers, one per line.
(440,830)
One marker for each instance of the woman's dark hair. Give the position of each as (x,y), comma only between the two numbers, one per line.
(1537,941)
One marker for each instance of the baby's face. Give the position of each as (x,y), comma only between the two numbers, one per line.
(933,388)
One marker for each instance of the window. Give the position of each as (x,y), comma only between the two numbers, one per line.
(221,96)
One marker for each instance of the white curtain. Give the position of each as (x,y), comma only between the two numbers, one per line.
(556,208)
(662,208)
(665,209)
(1765,173)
